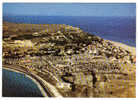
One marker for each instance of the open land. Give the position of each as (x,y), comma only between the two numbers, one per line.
(69,62)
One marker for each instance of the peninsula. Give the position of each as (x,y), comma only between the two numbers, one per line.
(68,62)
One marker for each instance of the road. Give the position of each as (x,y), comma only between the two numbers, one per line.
(49,89)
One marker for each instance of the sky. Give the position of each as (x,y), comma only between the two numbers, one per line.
(69,9)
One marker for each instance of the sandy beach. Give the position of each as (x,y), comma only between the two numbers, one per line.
(126,47)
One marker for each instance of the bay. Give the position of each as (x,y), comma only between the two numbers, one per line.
(18,85)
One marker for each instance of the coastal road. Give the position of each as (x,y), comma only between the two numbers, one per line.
(49,90)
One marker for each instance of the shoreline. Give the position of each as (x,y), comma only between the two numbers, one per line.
(124,46)
(37,83)
(47,86)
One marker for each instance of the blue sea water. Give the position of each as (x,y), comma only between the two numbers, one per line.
(120,29)
(18,85)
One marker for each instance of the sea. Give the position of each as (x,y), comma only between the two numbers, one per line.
(18,85)
(121,29)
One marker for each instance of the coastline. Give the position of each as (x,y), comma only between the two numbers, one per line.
(124,46)
(37,83)
(50,87)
